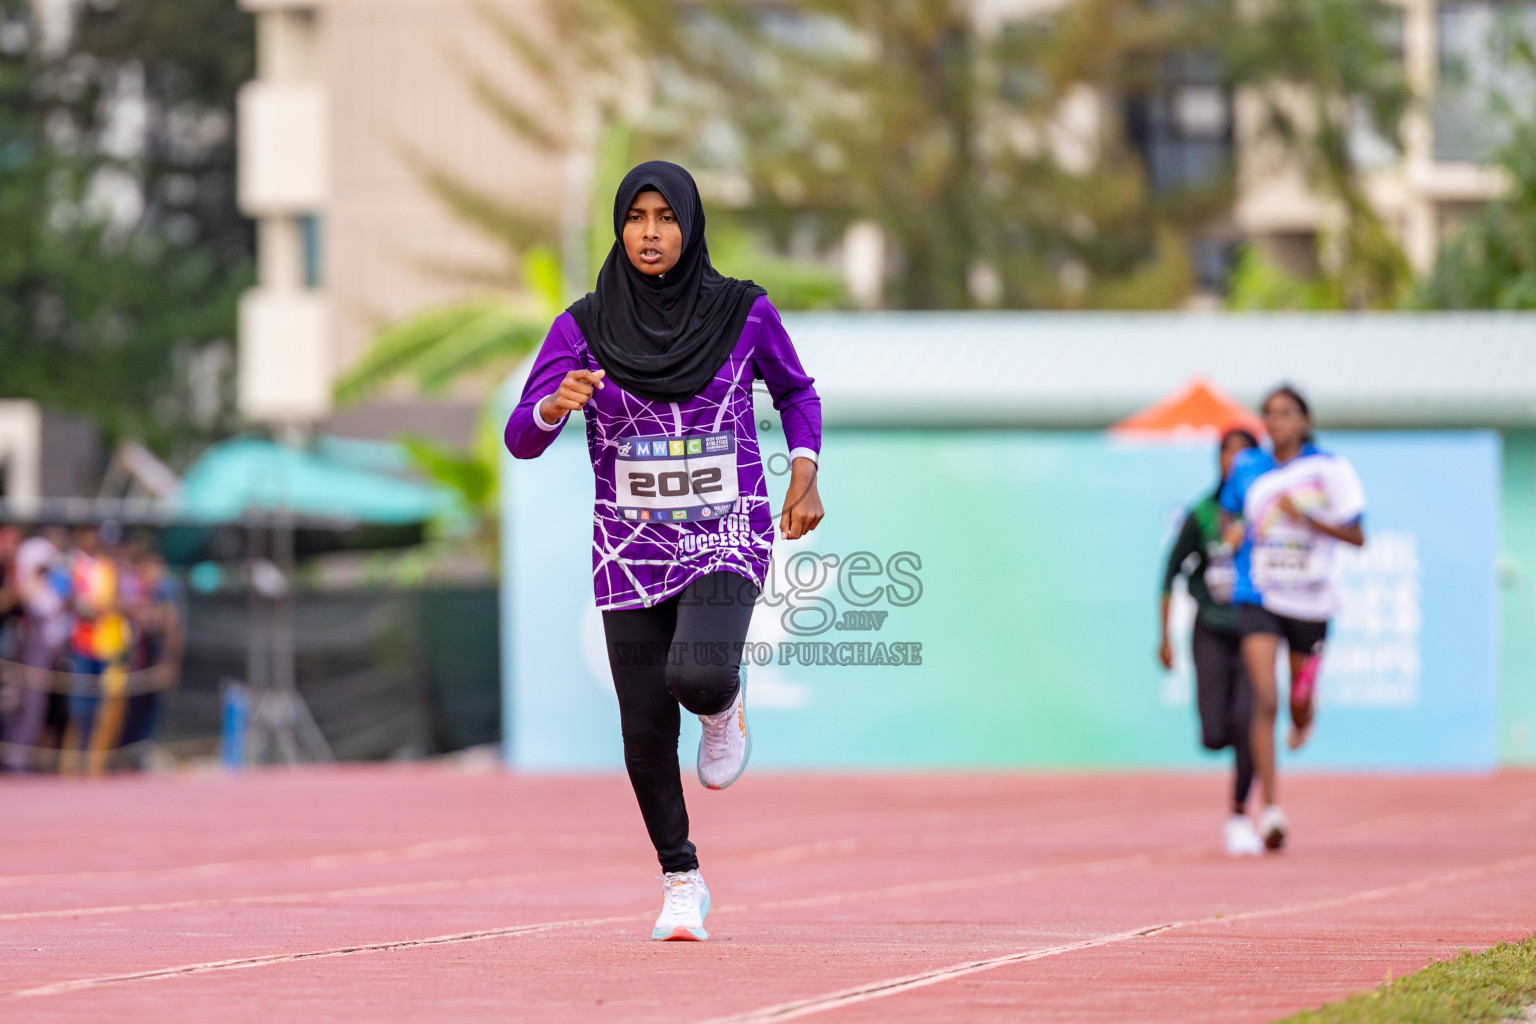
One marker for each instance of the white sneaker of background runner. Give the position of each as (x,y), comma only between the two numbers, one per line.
(1273,827)
(684,907)
(1241,838)
(726,743)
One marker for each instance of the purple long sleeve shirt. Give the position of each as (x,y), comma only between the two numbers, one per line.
(680,487)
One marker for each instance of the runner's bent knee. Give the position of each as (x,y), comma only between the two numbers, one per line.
(704,689)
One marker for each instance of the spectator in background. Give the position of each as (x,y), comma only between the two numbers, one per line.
(10,623)
(99,646)
(10,597)
(112,609)
(155,658)
(42,591)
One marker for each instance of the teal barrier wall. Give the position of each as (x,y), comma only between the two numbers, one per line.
(1517,691)
(1013,579)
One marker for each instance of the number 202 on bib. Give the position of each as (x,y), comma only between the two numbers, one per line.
(676,479)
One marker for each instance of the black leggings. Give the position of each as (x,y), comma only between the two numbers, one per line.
(684,650)
(1225,698)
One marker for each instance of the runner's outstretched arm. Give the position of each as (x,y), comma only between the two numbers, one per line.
(799,406)
(1188,543)
(528,433)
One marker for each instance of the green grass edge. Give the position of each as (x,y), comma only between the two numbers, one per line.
(1475,988)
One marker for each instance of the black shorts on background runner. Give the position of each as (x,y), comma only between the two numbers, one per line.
(1302,636)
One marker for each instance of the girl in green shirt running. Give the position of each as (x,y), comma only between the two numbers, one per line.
(1202,554)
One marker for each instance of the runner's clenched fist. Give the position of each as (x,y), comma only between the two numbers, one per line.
(574,392)
(802,504)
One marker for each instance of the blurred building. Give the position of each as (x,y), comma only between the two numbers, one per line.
(1425,192)
(348,236)
(1193,128)
(348,91)
(45,454)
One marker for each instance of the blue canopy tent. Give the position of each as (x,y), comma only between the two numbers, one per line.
(349,481)
(334,493)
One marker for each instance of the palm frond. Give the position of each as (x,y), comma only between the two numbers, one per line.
(523,123)
(487,276)
(471,477)
(515,227)
(534,56)
(495,336)
(398,348)
(543,278)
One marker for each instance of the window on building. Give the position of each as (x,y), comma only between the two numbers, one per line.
(1477,70)
(314,256)
(1213,257)
(1183,127)
(1368,146)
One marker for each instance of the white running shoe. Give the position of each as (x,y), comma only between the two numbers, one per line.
(1296,738)
(726,744)
(686,904)
(1273,827)
(1240,837)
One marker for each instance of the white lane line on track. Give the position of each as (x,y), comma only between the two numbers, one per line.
(59,988)
(1092,867)
(788,853)
(493,881)
(907,983)
(390,855)
(301,896)
(1095,867)
(816,1005)
(944,837)
(1376,828)
(1366,895)
(322,861)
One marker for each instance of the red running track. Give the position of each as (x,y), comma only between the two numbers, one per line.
(429,894)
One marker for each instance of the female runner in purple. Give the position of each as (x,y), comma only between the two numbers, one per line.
(661,357)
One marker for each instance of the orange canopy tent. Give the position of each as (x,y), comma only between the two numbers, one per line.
(1198,409)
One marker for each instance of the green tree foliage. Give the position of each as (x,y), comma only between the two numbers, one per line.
(123,256)
(1259,283)
(993,158)
(193,56)
(548,252)
(1491,262)
(1322,70)
(978,150)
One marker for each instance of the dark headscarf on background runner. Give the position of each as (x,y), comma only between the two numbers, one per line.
(1249,441)
(663,338)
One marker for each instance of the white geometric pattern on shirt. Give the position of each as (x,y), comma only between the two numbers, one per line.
(611,535)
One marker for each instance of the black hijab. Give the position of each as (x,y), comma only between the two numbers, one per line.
(663,338)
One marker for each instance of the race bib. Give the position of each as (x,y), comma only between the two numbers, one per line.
(1287,565)
(1221,580)
(676,479)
